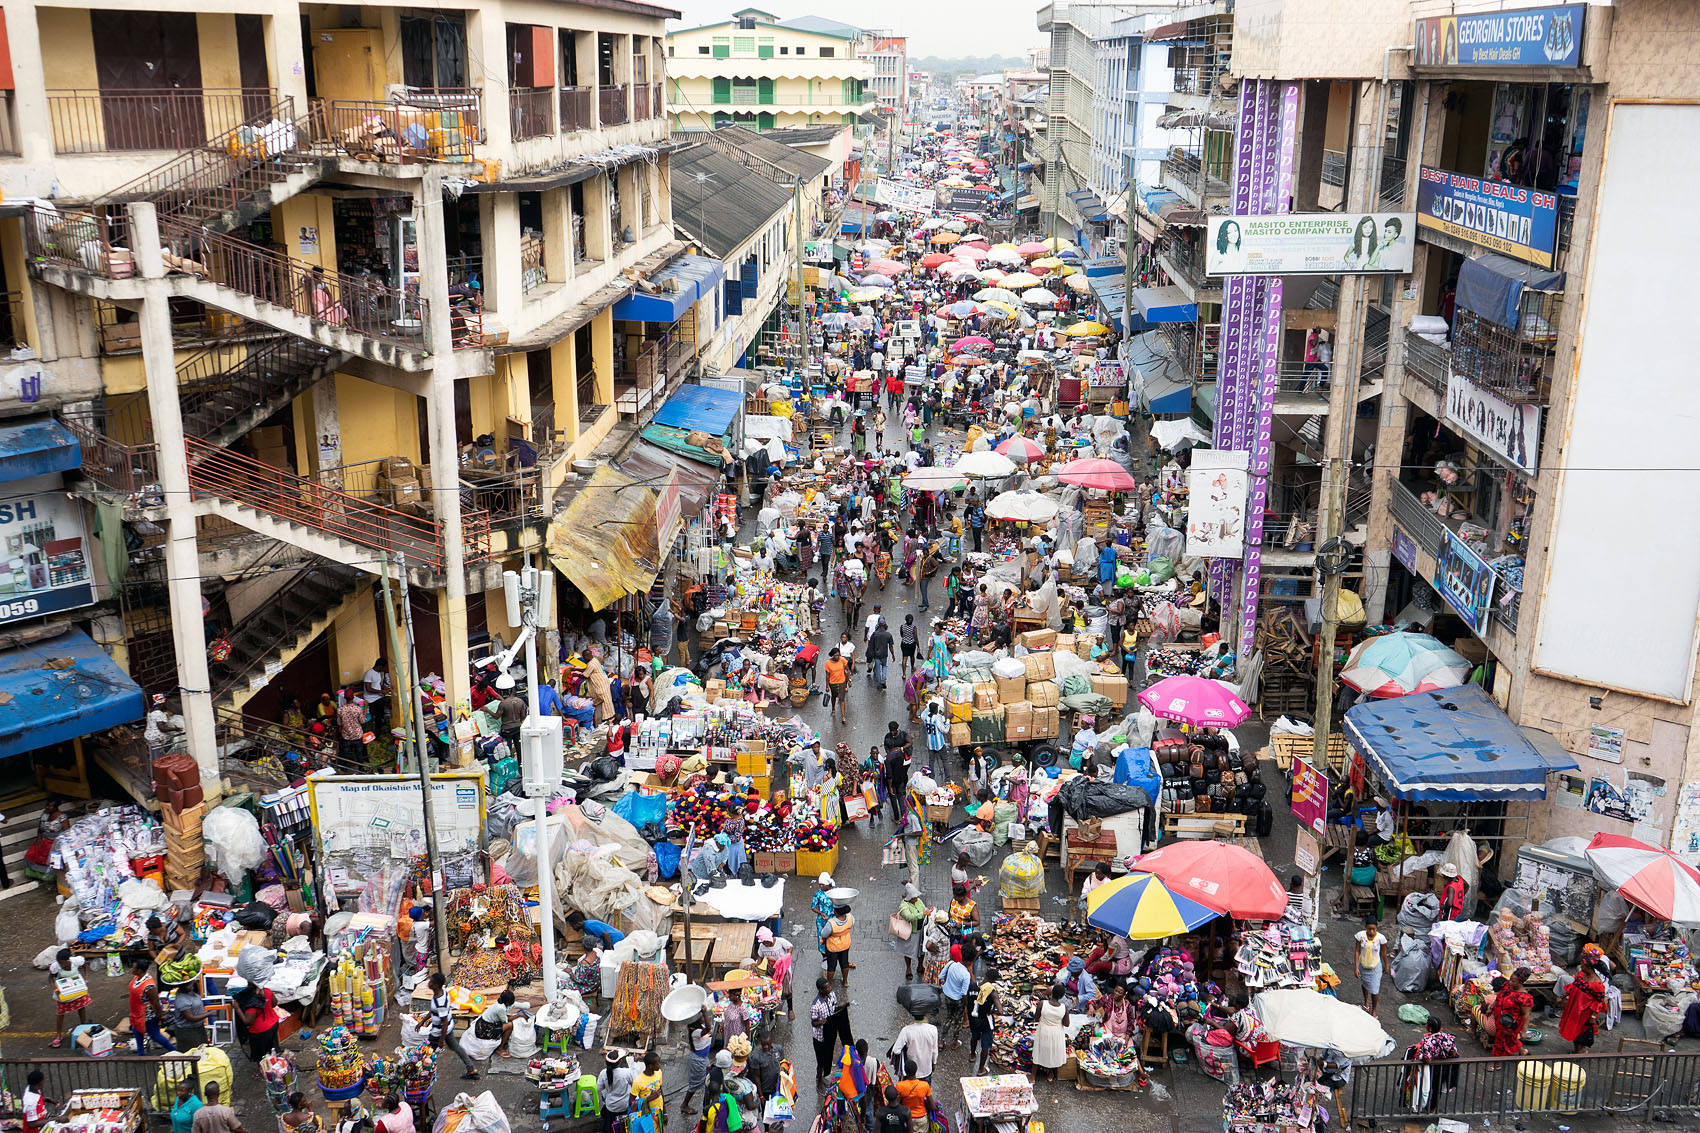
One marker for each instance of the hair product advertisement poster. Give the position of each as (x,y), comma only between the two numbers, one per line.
(1326,243)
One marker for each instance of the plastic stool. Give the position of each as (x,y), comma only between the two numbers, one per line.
(556,1039)
(586,1101)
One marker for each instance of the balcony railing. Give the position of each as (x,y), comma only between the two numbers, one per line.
(1334,167)
(1428,362)
(438,126)
(612,105)
(531,112)
(1199,80)
(1189,264)
(107,121)
(1188,169)
(578,109)
(1515,363)
(80,240)
(1392,189)
(129,469)
(1419,522)
(657,104)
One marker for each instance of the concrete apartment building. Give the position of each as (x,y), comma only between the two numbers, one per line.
(1507,419)
(889,55)
(320,300)
(757,70)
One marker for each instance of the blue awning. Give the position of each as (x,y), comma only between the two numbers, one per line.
(693,277)
(36,448)
(1164,305)
(1080,196)
(1108,290)
(1452,745)
(49,701)
(703,408)
(1164,385)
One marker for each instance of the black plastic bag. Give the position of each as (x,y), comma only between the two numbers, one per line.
(1085,798)
(602,769)
(920,999)
(256,914)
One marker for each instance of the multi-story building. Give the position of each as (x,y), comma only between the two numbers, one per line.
(1503,417)
(757,70)
(330,296)
(889,54)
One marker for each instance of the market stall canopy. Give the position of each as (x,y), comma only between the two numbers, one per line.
(1175,434)
(1398,664)
(1227,878)
(1140,907)
(606,541)
(1164,305)
(649,461)
(1096,472)
(37,448)
(1455,744)
(1303,1017)
(990,464)
(703,408)
(1025,506)
(1492,286)
(1649,877)
(59,689)
(932,480)
(1024,449)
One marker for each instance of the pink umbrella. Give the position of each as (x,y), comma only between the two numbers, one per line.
(1022,449)
(1647,876)
(970,252)
(1198,701)
(1032,248)
(885,267)
(1095,472)
(970,342)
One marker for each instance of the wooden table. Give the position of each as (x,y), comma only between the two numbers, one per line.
(1079,853)
(716,944)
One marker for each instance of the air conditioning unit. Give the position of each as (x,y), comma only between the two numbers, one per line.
(1112,246)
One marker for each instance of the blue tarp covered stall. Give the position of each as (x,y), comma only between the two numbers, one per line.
(702,408)
(61,689)
(1455,745)
(692,277)
(37,448)
(1164,305)
(1492,286)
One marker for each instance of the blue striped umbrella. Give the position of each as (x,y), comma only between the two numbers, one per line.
(1140,907)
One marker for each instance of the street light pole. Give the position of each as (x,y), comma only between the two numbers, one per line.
(530,599)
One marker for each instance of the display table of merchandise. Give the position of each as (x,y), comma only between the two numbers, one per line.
(1000,1098)
(1658,959)
(1271,1107)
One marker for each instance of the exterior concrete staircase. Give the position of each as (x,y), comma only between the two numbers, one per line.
(275,634)
(227,393)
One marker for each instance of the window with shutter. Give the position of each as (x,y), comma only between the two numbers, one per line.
(765,51)
(733,297)
(722,90)
(764,121)
(765,86)
(722,48)
(749,278)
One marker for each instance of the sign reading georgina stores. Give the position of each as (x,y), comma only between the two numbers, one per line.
(1530,37)
(1511,219)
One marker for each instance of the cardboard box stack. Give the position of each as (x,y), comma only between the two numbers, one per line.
(1111,685)
(1018,722)
(185,852)
(398,482)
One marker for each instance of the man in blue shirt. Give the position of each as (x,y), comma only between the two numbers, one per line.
(976,517)
(958,980)
(597,934)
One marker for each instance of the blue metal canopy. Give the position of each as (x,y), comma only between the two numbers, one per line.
(692,277)
(701,408)
(36,448)
(1454,745)
(1164,305)
(60,689)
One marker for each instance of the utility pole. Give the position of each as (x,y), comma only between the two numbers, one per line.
(802,312)
(530,600)
(422,741)
(1127,257)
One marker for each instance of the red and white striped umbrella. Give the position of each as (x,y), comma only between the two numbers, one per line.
(1647,876)
(1023,449)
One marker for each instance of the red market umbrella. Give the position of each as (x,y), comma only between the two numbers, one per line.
(1033,248)
(1095,472)
(1023,449)
(1198,701)
(934,259)
(1648,877)
(970,343)
(1224,877)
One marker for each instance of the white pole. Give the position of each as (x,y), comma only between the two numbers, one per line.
(530,592)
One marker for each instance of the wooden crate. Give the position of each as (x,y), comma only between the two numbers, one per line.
(1193,826)
(1021,904)
(1286,748)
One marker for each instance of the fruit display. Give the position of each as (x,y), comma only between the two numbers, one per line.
(181,970)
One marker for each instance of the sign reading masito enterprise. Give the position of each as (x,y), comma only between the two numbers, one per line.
(1513,220)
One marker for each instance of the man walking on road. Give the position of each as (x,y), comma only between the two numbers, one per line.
(879,652)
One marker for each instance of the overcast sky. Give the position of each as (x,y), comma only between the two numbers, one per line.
(987,27)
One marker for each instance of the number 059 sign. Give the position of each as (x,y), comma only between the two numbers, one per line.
(45,560)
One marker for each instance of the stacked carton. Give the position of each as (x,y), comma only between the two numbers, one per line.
(185,852)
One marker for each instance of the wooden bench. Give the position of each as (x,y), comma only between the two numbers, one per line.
(1190,827)
(1286,747)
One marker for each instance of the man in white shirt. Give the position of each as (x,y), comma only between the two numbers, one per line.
(1383,820)
(870,624)
(378,695)
(919,1042)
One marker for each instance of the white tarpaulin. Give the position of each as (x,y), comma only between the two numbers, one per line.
(763,427)
(1174,434)
(1302,1017)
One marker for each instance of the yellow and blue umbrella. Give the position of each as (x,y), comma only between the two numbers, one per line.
(1140,907)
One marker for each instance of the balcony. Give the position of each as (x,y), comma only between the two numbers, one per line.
(1392,188)
(1428,362)
(1201,80)
(1334,168)
(530,112)
(1429,532)
(1514,363)
(645,378)
(406,129)
(1185,264)
(578,109)
(1186,170)
(114,121)
(612,103)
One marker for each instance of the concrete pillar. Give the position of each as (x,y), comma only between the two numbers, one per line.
(598,235)
(32,127)
(440,410)
(182,553)
(327,429)
(558,234)
(289,65)
(502,277)
(487,40)
(1313,126)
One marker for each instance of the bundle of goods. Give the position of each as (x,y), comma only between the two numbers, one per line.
(702,807)
(1213,1049)
(1525,944)
(1189,662)
(1110,1060)
(816,837)
(101,1111)
(408,1072)
(1022,875)
(1029,951)
(356,999)
(278,1071)
(940,803)
(341,1066)
(1205,776)
(1280,955)
(767,834)
(179,970)
(557,1072)
(1271,1107)
(1172,976)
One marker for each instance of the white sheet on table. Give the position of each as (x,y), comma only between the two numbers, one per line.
(747,900)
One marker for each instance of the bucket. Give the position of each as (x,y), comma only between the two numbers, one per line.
(1568,1082)
(1534,1085)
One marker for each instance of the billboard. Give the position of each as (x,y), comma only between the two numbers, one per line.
(1466,581)
(1215,518)
(1310,797)
(1323,243)
(1529,37)
(908,198)
(970,200)
(48,561)
(1514,220)
(1510,432)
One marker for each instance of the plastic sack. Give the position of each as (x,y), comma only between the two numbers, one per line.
(66,925)
(255,964)
(1021,875)
(1414,1013)
(468,1114)
(143,894)
(599,825)
(1288,727)
(1002,815)
(1084,798)
(1662,1017)
(522,1040)
(1161,568)
(233,836)
(1411,966)
(638,809)
(521,859)
(1009,668)
(1069,665)
(501,817)
(977,844)
(1076,684)
(415,1031)
(920,999)
(1418,912)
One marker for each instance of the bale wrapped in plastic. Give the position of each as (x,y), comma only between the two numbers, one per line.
(1021,875)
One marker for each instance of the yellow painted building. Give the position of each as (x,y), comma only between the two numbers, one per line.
(759,71)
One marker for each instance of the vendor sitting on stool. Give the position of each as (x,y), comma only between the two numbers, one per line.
(709,860)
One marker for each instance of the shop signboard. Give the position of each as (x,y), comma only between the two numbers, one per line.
(1108,373)
(1510,432)
(970,200)
(47,565)
(1215,521)
(1466,581)
(907,198)
(1307,852)
(1310,797)
(1513,220)
(1322,243)
(1405,550)
(1528,37)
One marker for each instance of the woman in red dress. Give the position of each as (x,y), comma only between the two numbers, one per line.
(1584,1004)
(1511,1015)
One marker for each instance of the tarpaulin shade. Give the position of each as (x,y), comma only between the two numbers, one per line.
(650,462)
(702,408)
(1455,744)
(36,448)
(1492,285)
(692,277)
(60,689)
(606,541)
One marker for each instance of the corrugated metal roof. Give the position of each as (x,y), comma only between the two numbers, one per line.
(820,25)
(800,165)
(605,541)
(804,135)
(729,205)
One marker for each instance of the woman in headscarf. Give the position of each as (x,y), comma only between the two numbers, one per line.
(914,911)
(1115,1012)
(1584,1007)
(822,906)
(935,947)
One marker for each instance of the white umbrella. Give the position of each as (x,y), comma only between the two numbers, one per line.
(1001,294)
(1036,297)
(875,279)
(932,479)
(1028,506)
(984,464)
(1302,1017)
(1174,434)
(1005,256)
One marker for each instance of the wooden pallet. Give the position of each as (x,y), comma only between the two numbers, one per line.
(1200,826)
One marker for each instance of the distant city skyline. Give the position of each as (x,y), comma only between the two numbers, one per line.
(1000,27)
